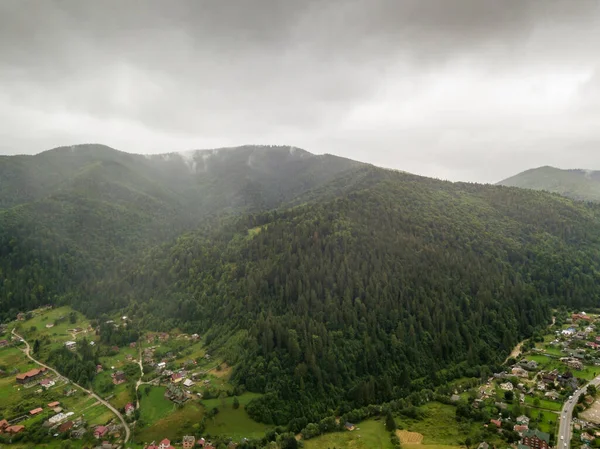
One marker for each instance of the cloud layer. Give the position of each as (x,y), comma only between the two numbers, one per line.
(466,90)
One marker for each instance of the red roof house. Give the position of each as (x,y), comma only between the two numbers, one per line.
(100,431)
(53,404)
(30,375)
(35,411)
(65,427)
(496,422)
(14,429)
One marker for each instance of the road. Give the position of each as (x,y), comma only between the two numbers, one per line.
(566,415)
(91,393)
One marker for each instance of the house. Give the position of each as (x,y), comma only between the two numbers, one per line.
(349,426)
(176,377)
(455,398)
(586,437)
(195,337)
(549,378)
(49,326)
(36,411)
(30,375)
(175,394)
(201,442)
(483,445)
(580,316)
(161,365)
(118,377)
(164,444)
(71,345)
(529,364)
(188,441)
(575,364)
(14,429)
(3,343)
(519,372)
(65,427)
(129,409)
(507,386)
(132,344)
(541,386)
(496,422)
(3,425)
(536,439)
(99,368)
(552,395)
(100,431)
(523,420)
(188,383)
(568,332)
(520,428)
(47,383)
(20,316)
(57,418)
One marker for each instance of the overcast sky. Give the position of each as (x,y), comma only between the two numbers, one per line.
(470,90)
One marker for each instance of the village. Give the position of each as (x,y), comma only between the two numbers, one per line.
(530,393)
(176,365)
(166,377)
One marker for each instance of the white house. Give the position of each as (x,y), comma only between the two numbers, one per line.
(507,386)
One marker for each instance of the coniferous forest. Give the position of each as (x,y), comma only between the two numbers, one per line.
(327,288)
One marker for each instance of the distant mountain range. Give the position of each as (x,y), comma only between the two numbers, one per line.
(583,185)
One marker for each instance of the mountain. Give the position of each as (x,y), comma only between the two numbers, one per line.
(375,286)
(583,185)
(70,215)
(327,284)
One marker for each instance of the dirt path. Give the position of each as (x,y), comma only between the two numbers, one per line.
(91,393)
(515,352)
(139,382)
(517,349)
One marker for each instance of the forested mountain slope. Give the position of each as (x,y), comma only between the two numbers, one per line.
(583,185)
(70,216)
(359,295)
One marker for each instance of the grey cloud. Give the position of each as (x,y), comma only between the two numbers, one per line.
(152,75)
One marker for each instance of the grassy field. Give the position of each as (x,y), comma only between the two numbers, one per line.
(439,425)
(544,403)
(171,425)
(370,434)
(154,406)
(234,423)
(546,421)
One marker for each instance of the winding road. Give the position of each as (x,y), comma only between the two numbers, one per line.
(91,393)
(566,415)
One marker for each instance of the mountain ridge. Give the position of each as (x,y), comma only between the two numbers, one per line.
(578,184)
